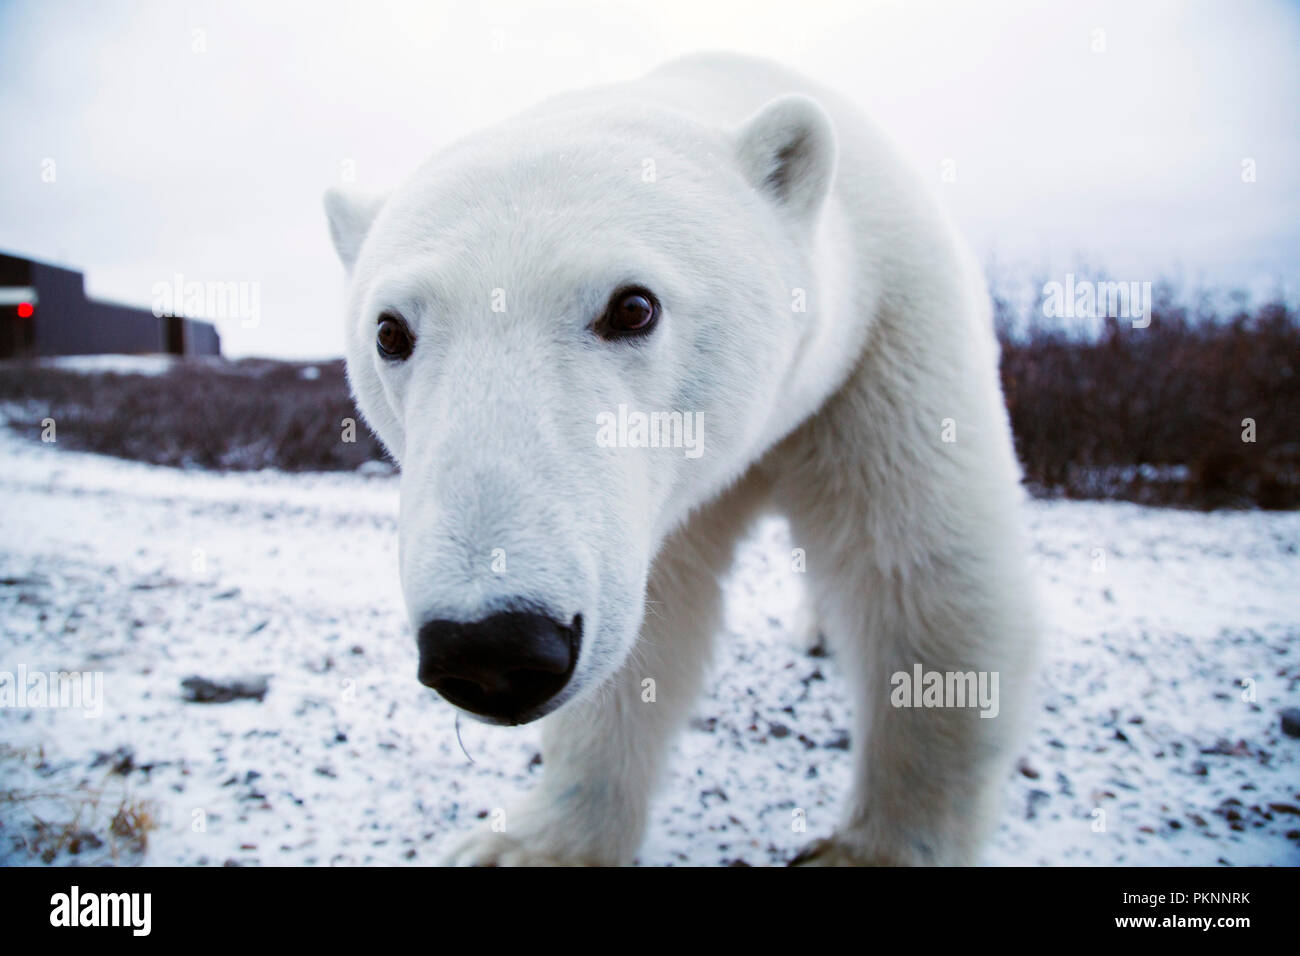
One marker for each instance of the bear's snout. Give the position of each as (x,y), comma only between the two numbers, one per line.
(505,667)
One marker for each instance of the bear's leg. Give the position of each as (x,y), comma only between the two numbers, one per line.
(806,628)
(927,779)
(602,755)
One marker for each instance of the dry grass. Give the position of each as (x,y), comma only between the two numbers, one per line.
(102,816)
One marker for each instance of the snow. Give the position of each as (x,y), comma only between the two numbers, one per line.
(151,365)
(151,575)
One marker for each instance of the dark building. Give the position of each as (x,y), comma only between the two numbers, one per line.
(44,311)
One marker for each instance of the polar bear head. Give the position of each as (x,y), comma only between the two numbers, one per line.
(569,332)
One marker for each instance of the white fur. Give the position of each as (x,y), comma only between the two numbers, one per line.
(763,185)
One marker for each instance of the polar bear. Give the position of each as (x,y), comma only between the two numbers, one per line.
(725,244)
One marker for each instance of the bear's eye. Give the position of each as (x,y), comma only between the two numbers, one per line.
(393,338)
(632,311)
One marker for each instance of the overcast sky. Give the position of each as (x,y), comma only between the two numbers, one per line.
(197,137)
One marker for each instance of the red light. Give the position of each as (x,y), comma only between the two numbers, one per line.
(25,310)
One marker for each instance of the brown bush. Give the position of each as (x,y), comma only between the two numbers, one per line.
(1153,415)
(1157,414)
(227,415)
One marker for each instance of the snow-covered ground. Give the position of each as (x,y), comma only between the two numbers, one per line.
(151,575)
(151,365)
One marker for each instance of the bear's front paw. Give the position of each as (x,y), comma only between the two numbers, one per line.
(837,852)
(541,834)
(489,848)
(806,630)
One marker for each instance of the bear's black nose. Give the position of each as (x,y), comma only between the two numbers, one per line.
(504,667)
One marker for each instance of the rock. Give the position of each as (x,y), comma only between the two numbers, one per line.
(1036,797)
(717,792)
(200,690)
(1291,721)
(155,582)
(1227,748)
(120,761)
(839,742)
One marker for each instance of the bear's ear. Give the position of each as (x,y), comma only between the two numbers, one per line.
(787,149)
(350,214)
